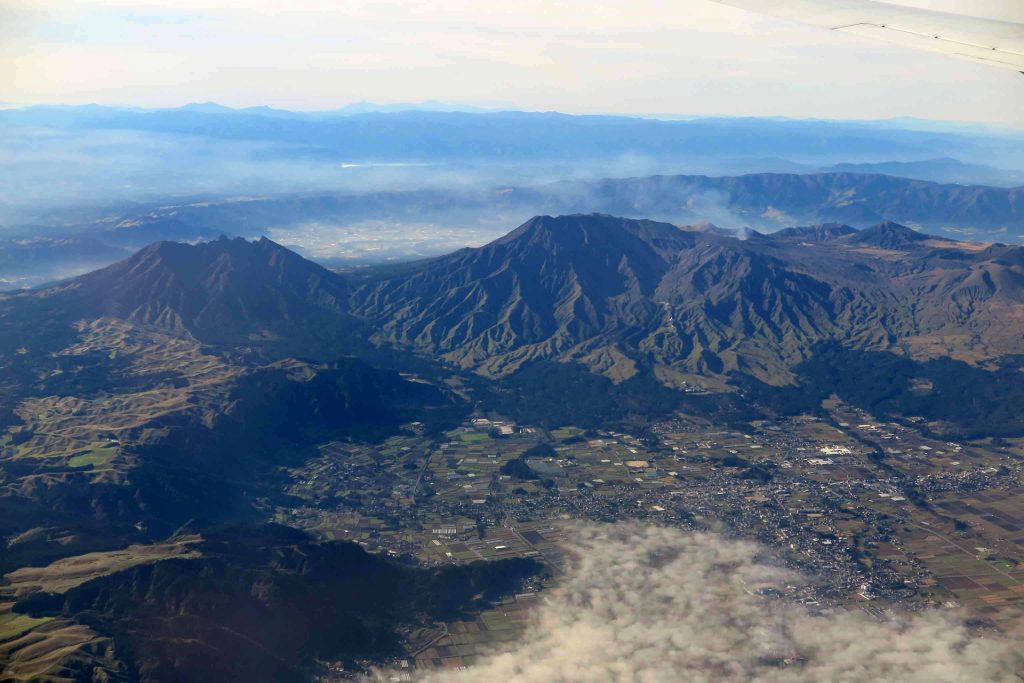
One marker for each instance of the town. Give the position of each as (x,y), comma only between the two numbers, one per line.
(883,516)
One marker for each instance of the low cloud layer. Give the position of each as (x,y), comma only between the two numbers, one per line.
(651,605)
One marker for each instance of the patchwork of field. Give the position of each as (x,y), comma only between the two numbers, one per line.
(979,567)
(462,643)
(540,540)
(162,375)
(446,500)
(895,518)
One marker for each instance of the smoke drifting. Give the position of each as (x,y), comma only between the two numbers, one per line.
(655,605)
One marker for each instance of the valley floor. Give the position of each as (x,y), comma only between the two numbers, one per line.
(932,524)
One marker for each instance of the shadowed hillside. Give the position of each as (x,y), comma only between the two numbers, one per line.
(608,292)
(261,604)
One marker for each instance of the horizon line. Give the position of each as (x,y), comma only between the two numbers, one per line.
(445,107)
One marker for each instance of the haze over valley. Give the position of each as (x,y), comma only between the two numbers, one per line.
(83,186)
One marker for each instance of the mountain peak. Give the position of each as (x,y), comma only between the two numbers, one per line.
(889,235)
(894,228)
(206,108)
(224,287)
(591,230)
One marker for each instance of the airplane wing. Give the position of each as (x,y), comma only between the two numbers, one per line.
(996,43)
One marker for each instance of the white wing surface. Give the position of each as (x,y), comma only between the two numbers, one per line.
(996,43)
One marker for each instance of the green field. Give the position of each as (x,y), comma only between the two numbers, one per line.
(13,625)
(472,437)
(565,432)
(96,457)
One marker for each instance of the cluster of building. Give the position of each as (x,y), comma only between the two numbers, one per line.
(844,499)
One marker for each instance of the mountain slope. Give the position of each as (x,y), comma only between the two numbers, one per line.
(541,291)
(225,291)
(263,604)
(611,292)
(890,235)
(213,289)
(604,291)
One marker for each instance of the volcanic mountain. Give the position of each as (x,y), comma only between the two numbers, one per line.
(223,291)
(890,235)
(607,292)
(611,292)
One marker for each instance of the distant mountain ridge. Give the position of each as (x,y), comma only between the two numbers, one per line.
(772,201)
(436,132)
(942,170)
(766,202)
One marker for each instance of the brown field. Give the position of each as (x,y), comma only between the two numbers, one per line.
(88,431)
(73,571)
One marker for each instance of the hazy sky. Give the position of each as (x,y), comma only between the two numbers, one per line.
(621,56)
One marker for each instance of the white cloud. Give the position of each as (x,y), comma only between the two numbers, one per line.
(657,605)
